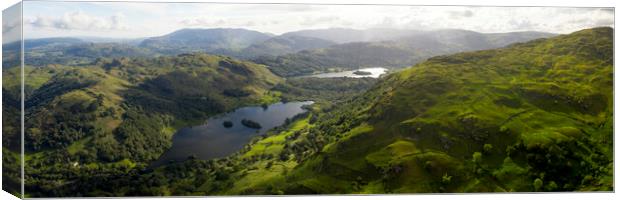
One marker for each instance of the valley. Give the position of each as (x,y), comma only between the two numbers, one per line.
(240,112)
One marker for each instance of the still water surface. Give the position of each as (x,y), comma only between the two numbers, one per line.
(376,72)
(213,140)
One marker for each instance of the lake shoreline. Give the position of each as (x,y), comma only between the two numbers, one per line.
(212,140)
(375,72)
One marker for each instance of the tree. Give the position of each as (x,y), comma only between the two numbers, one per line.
(446,179)
(477,157)
(487,148)
(538,184)
(510,150)
(552,186)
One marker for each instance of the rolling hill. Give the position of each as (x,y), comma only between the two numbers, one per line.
(204,40)
(406,50)
(69,51)
(535,116)
(347,35)
(121,113)
(280,45)
(34,43)
(294,53)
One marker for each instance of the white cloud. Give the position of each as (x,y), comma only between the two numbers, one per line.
(152,19)
(287,8)
(219,22)
(81,21)
(500,19)
(203,21)
(314,20)
(460,14)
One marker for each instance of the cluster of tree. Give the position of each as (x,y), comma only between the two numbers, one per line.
(186,96)
(323,89)
(141,136)
(11,171)
(10,120)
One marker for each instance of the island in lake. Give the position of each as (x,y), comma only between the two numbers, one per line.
(362,73)
(251,124)
(227,124)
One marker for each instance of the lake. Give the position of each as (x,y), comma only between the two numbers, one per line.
(375,73)
(214,140)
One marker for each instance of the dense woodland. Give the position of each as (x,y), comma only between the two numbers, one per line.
(531,116)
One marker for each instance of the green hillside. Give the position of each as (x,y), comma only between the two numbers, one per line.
(535,116)
(121,113)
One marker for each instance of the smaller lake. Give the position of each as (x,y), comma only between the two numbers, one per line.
(213,140)
(375,73)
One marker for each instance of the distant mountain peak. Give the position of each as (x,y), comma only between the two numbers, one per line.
(207,40)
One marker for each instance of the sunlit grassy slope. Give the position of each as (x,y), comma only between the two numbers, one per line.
(535,116)
(537,110)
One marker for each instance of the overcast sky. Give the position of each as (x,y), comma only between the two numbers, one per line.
(131,20)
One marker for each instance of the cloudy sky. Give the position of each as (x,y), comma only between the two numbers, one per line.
(131,20)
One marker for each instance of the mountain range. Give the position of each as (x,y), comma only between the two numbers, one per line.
(206,40)
(395,53)
(289,54)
